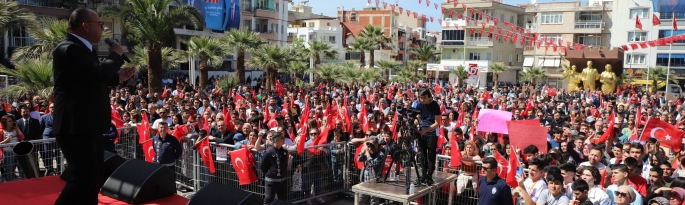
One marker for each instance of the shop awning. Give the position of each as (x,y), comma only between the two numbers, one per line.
(528,62)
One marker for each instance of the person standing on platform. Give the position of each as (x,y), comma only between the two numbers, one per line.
(491,188)
(374,160)
(167,148)
(82,108)
(274,167)
(428,142)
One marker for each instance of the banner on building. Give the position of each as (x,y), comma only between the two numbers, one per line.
(218,14)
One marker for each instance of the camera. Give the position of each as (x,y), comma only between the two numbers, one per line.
(407,114)
(369,144)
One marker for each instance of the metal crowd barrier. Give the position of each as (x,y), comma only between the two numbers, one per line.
(49,159)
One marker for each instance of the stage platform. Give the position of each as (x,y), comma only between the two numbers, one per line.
(44,191)
(395,192)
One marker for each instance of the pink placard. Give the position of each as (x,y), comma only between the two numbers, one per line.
(495,121)
(525,122)
(522,135)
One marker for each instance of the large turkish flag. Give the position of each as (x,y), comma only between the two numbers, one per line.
(242,164)
(667,135)
(206,154)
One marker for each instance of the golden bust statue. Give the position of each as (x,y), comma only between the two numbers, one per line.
(574,78)
(608,79)
(589,76)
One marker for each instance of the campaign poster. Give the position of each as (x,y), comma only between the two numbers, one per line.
(218,14)
(472,78)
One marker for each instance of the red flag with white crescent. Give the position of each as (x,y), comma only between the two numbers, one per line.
(502,164)
(667,135)
(242,164)
(455,153)
(149,151)
(206,154)
(144,129)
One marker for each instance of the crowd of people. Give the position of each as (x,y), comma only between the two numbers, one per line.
(577,168)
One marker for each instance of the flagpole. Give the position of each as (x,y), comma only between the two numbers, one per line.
(668,65)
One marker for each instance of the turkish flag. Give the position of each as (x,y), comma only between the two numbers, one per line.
(206,154)
(512,169)
(149,150)
(668,135)
(242,164)
(655,20)
(638,24)
(180,132)
(675,23)
(455,162)
(164,95)
(357,163)
(502,165)
(144,129)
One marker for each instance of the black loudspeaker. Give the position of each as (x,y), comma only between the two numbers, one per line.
(137,181)
(216,193)
(279,202)
(112,162)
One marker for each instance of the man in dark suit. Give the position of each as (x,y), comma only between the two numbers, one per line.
(28,125)
(82,109)
(50,150)
(232,15)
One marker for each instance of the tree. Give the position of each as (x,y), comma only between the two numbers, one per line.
(243,41)
(533,74)
(35,78)
(424,53)
(319,48)
(461,74)
(227,83)
(296,68)
(149,22)
(659,74)
(210,51)
(270,58)
(415,65)
(360,45)
(171,58)
(13,17)
(47,37)
(328,73)
(376,37)
(496,69)
(350,73)
(406,75)
(388,66)
(369,75)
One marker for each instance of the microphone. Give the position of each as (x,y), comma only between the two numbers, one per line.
(109,42)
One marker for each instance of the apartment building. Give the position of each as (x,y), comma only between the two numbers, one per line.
(638,61)
(310,26)
(405,32)
(562,22)
(460,48)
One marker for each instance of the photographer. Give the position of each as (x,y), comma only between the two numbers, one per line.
(374,159)
(428,141)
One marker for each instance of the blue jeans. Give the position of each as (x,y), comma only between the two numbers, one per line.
(9,164)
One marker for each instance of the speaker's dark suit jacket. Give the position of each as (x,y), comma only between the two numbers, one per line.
(81,96)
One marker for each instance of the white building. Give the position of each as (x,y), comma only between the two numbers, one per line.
(310,26)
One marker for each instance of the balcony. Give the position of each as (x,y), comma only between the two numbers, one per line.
(478,41)
(452,43)
(403,39)
(414,46)
(265,12)
(247,9)
(265,8)
(668,16)
(401,52)
(530,26)
(45,8)
(263,30)
(589,25)
(528,50)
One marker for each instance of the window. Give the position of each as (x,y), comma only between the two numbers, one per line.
(642,13)
(552,18)
(352,55)
(312,24)
(304,24)
(452,35)
(328,24)
(353,16)
(552,38)
(460,55)
(499,57)
(589,39)
(519,58)
(304,37)
(677,59)
(511,58)
(636,58)
(331,39)
(669,33)
(474,56)
(488,56)
(276,6)
(637,36)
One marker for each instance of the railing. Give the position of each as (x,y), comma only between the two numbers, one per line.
(46,150)
(530,26)
(667,16)
(402,39)
(247,8)
(478,41)
(21,41)
(589,24)
(290,34)
(264,8)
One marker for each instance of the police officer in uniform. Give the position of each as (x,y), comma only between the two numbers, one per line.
(274,165)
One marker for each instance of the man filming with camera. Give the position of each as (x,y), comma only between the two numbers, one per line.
(428,142)
(374,160)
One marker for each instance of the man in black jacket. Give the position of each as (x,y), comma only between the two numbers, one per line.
(82,109)
(274,168)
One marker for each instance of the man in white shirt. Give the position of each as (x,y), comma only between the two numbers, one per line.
(534,184)
(595,159)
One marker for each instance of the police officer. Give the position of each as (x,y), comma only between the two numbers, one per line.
(274,166)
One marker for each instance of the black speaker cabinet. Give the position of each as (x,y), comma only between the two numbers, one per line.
(112,162)
(137,181)
(279,202)
(216,193)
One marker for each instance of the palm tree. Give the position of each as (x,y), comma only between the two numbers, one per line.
(328,72)
(415,65)
(12,17)
(47,37)
(626,78)
(171,58)
(369,75)
(461,74)
(659,74)
(318,48)
(424,53)
(150,23)
(496,69)
(210,51)
(376,37)
(406,75)
(227,83)
(270,58)
(533,74)
(243,41)
(35,78)
(296,68)
(360,45)
(350,75)
(388,66)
